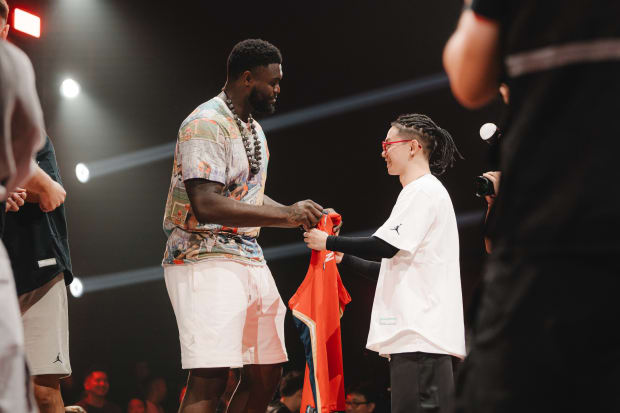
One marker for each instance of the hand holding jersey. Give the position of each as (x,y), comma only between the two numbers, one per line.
(316,239)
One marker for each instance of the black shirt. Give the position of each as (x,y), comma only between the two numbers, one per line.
(37,242)
(559,190)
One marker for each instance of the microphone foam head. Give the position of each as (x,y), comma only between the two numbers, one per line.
(487,130)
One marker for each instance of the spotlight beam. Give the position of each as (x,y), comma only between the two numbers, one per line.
(142,275)
(356,102)
(325,110)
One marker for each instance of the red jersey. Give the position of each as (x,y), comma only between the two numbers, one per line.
(317,307)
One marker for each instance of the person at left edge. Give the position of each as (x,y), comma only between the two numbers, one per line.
(21,129)
(36,243)
(228,309)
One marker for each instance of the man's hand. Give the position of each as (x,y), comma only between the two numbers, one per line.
(43,190)
(305,213)
(52,196)
(494,177)
(16,200)
(316,239)
(336,229)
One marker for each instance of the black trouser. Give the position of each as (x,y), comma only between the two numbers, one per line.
(421,382)
(546,337)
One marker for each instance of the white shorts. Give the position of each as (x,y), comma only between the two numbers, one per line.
(229,314)
(46,328)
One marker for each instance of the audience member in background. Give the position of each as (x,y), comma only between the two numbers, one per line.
(134,384)
(361,398)
(156,391)
(291,387)
(141,373)
(136,405)
(96,387)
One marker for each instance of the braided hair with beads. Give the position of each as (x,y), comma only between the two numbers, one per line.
(436,142)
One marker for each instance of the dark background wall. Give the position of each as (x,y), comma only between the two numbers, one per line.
(144,66)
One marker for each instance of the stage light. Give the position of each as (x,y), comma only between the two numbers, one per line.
(76,287)
(82,172)
(27,23)
(70,88)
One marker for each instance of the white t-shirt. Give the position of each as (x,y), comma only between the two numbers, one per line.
(418,303)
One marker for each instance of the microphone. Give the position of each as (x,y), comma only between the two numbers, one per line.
(490,133)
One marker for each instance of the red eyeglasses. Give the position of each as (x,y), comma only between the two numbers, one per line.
(385,143)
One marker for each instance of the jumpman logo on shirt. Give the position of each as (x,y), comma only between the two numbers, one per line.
(396,228)
(58,360)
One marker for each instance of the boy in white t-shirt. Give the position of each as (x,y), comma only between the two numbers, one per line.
(417,314)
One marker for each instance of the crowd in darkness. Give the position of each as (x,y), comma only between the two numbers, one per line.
(137,390)
(140,389)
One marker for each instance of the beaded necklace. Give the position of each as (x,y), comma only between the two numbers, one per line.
(254,157)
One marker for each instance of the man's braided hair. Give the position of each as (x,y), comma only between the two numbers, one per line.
(437,142)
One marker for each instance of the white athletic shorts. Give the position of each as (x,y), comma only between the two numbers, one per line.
(46,328)
(229,314)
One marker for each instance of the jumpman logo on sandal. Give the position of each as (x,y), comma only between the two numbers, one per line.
(396,228)
(58,360)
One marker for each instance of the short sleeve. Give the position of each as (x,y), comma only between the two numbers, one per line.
(203,149)
(409,221)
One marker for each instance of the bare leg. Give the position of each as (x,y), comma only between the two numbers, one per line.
(204,389)
(256,389)
(47,393)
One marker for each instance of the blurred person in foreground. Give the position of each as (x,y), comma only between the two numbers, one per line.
(544,337)
(35,236)
(21,135)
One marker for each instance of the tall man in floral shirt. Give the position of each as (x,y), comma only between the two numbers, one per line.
(227,306)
